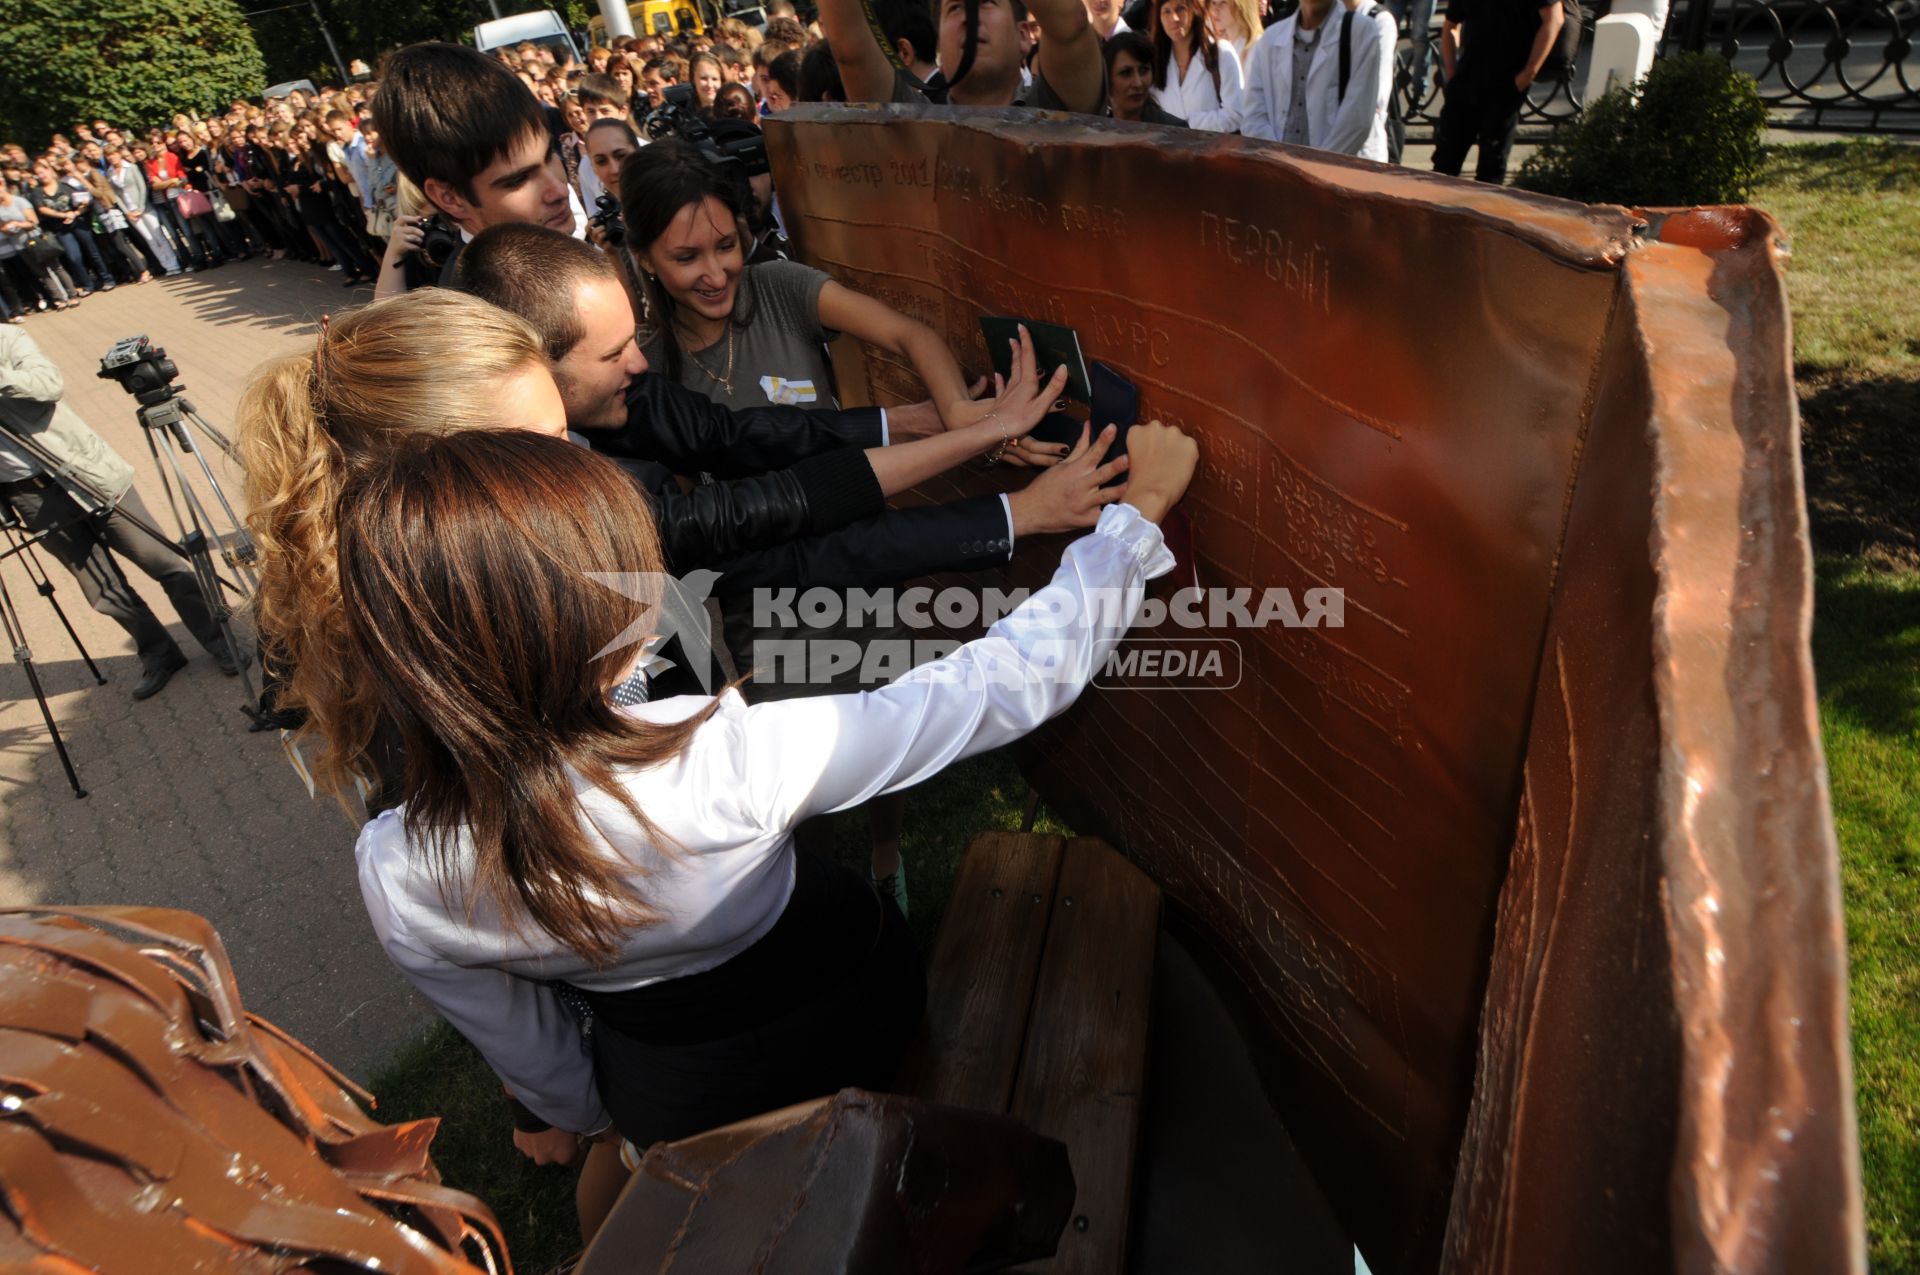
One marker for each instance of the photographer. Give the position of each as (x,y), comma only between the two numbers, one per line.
(84,520)
(467,133)
(609,142)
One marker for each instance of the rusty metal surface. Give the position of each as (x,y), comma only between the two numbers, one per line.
(1450,858)
(148,1123)
(859,1183)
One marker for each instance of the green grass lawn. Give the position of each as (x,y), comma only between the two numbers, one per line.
(1853,212)
(1866,646)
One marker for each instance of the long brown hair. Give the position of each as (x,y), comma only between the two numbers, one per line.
(428,362)
(1201,39)
(467,567)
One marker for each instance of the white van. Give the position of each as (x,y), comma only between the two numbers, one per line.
(542,26)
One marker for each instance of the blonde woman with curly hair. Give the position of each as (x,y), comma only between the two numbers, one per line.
(431,362)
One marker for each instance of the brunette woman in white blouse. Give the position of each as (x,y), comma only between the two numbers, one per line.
(1195,76)
(557,855)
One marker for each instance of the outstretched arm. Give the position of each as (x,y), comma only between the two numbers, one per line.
(878,324)
(1070,57)
(690,433)
(865,72)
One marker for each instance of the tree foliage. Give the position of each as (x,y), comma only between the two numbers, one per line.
(1690,133)
(134,62)
(364,29)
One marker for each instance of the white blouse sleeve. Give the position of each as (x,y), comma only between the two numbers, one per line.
(1256,113)
(519,1026)
(799,758)
(1224,117)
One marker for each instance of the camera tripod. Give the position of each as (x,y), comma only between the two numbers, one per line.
(170,420)
(20,544)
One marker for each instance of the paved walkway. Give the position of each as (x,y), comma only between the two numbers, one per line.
(187,808)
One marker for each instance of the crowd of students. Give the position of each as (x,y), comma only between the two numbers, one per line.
(306,175)
(301,176)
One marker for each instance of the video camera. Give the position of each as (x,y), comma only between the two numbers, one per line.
(142,369)
(736,146)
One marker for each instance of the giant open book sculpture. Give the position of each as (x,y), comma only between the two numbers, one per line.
(1525,877)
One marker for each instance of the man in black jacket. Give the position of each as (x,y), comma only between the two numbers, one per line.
(764,527)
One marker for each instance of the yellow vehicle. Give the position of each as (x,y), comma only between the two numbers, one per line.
(653,17)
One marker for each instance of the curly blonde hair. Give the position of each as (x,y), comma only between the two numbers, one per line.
(428,362)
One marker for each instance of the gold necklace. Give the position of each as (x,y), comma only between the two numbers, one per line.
(725,382)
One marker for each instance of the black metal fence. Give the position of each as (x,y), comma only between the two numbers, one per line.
(1846,66)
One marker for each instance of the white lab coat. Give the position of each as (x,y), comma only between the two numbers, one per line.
(1355,125)
(1193,98)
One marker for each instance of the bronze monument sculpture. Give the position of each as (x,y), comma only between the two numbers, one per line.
(1524,878)
(152,1124)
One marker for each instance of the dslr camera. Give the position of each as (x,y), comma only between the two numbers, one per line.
(606,219)
(439,240)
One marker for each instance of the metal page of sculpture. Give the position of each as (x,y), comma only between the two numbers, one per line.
(1487,866)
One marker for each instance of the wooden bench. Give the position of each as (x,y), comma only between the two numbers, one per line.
(1038,995)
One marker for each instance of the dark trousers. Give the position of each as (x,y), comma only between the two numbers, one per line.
(268,230)
(11,302)
(1477,113)
(82,546)
(24,286)
(199,235)
(83,256)
(132,263)
(345,248)
(828,999)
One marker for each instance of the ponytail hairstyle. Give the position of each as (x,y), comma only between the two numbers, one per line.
(429,362)
(1201,39)
(470,575)
(657,184)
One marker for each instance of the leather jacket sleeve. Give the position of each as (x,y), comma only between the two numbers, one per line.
(900,544)
(690,433)
(718,521)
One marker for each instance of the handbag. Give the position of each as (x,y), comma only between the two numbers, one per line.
(222,210)
(111,219)
(192,203)
(40,249)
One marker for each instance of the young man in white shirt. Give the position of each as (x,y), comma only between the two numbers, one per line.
(1293,91)
(348,151)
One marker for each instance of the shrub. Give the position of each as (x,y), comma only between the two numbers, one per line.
(1687,134)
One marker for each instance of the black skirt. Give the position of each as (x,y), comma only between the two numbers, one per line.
(828,998)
